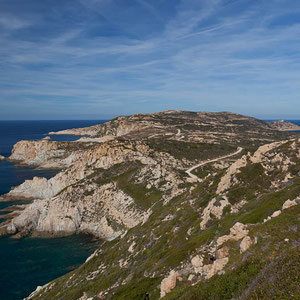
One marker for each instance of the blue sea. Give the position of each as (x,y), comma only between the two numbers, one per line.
(29,262)
(297,122)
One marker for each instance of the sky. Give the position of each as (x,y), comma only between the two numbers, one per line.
(98,59)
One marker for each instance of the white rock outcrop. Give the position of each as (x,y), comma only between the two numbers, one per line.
(213,209)
(237,232)
(259,154)
(45,154)
(223,252)
(107,214)
(214,268)
(228,178)
(197,263)
(289,203)
(67,203)
(191,277)
(168,283)
(276,213)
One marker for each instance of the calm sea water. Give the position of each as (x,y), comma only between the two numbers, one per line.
(29,262)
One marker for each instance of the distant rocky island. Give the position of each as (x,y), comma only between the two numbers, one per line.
(284,125)
(191,205)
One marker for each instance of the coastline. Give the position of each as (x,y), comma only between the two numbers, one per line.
(21,256)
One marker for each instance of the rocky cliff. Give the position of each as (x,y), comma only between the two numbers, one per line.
(48,154)
(81,198)
(185,201)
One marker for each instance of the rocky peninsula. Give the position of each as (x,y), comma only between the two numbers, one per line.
(284,125)
(180,198)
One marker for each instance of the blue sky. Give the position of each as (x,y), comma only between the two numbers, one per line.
(97,59)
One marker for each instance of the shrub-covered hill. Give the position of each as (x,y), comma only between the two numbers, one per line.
(229,232)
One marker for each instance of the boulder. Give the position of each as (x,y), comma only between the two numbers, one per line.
(191,277)
(168,283)
(276,213)
(289,203)
(237,232)
(2,157)
(245,244)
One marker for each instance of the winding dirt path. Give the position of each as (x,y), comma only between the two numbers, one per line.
(189,171)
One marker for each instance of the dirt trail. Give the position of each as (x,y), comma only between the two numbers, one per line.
(189,171)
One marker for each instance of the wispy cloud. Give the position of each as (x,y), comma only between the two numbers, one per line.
(11,22)
(200,55)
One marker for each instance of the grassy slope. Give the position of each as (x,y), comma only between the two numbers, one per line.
(269,270)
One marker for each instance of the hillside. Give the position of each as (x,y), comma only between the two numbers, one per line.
(190,205)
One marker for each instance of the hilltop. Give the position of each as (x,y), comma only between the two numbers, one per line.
(190,205)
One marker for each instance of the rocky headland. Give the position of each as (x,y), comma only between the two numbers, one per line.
(179,197)
(284,125)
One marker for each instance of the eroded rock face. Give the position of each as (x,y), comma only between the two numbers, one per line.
(168,284)
(44,153)
(70,202)
(101,156)
(107,214)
